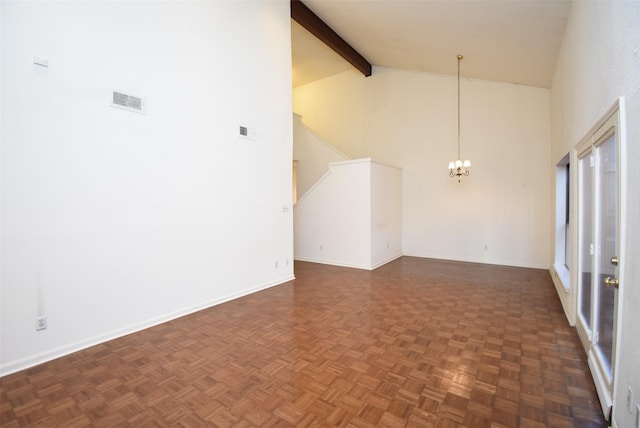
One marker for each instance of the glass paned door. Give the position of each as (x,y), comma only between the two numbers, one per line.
(606,250)
(598,246)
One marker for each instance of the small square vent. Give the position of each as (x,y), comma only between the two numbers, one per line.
(247,132)
(128,102)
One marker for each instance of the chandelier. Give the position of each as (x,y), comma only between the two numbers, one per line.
(459,168)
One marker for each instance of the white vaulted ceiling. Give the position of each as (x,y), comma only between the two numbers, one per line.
(514,41)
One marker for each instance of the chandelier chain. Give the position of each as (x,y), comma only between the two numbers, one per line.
(458,168)
(459,58)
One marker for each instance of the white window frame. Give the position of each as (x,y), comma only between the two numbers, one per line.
(562,255)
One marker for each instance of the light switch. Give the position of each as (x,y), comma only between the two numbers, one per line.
(41,60)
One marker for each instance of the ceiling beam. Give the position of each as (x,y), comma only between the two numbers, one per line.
(316,26)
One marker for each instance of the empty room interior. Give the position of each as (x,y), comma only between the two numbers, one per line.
(320,213)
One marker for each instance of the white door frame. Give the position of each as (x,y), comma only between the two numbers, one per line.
(614,117)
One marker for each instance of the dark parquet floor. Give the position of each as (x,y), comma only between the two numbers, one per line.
(415,343)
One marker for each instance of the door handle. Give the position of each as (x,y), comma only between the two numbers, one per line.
(614,260)
(611,281)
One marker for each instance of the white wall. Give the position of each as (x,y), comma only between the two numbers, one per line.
(313,155)
(352,216)
(332,220)
(113,221)
(386,213)
(500,213)
(599,62)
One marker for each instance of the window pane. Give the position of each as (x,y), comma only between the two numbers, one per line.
(567,234)
(607,166)
(586,238)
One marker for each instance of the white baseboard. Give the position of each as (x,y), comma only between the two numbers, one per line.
(385,261)
(560,282)
(474,260)
(333,263)
(347,264)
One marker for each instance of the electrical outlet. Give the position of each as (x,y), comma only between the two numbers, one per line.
(41,323)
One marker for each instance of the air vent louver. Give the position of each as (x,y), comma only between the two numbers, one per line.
(128,102)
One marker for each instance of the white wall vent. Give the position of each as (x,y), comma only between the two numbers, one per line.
(128,102)
(247,132)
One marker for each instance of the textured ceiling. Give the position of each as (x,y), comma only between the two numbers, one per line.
(514,41)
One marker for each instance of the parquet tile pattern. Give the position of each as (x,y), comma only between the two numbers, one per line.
(415,343)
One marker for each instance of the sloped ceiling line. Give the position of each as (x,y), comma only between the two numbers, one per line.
(316,26)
